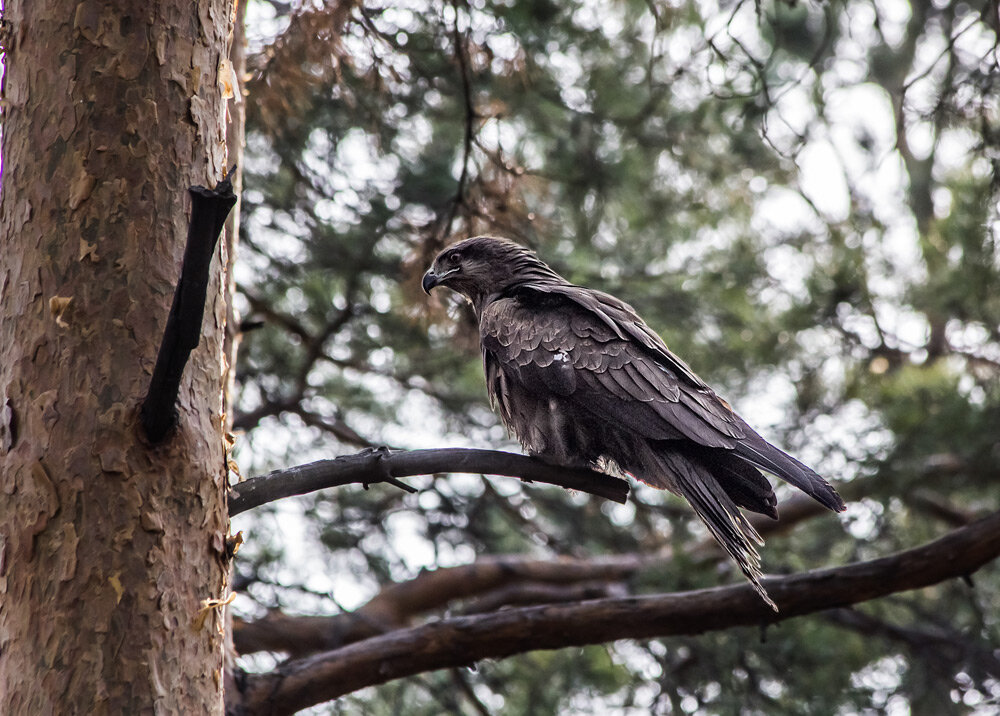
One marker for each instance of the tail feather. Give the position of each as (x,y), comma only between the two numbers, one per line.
(742,481)
(692,480)
(757,451)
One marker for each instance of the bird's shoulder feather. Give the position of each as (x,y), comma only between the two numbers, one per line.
(622,319)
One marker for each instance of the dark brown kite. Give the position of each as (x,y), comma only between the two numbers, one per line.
(580,379)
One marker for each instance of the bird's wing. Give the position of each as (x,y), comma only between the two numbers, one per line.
(594,350)
(623,320)
(560,347)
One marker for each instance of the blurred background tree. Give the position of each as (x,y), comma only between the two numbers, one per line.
(801,198)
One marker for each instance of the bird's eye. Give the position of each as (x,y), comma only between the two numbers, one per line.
(455,259)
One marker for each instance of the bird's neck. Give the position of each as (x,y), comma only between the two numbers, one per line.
(481,301)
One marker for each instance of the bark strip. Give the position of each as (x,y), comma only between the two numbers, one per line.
(209,211)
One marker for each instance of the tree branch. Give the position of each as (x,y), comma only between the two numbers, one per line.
(465,640)
(398,604)
(372,466)
(490,580)
(493,581)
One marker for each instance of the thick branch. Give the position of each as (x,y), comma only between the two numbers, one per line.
(490,580)
(493,581)
(209,210)
(465,640)
(372,466)
(396,605)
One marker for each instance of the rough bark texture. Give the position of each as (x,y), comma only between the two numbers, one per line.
(235,138)
(235,125)
(107,547)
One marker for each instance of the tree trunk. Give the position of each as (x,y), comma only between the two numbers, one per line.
(108,547)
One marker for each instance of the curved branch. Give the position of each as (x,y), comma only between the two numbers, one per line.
(465,640)
(489,581)
(382,465)
(398,604)
(493,581)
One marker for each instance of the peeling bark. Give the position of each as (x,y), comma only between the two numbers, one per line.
(109,549)
(235,126)
(235,139)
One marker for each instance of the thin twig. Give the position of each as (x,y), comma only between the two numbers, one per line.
(470,117)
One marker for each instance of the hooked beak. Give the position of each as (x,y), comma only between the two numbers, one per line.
(432,279)
(429,281)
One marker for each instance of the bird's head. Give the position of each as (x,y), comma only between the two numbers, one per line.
(485,267)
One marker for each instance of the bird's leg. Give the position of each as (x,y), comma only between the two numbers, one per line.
(380,450)
(561,459)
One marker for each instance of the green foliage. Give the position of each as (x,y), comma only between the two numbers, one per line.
(665,153)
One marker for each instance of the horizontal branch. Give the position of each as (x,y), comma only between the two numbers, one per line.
(398,604)
(381,465)
(488,580)
(464,640)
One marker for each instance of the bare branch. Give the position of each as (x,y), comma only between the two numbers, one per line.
(940,507)
(465,640)
(209,210)
(335,426)
(262,307)
(491,581)
(371,466)
(396,605)
(539,593)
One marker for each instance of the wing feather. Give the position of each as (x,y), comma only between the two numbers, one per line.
(624,379)
(692,424)
(614,377)
(720,514)
(623,374)
(663,378)
(601,396)
(622,319)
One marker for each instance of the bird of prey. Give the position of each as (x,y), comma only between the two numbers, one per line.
(580,379)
